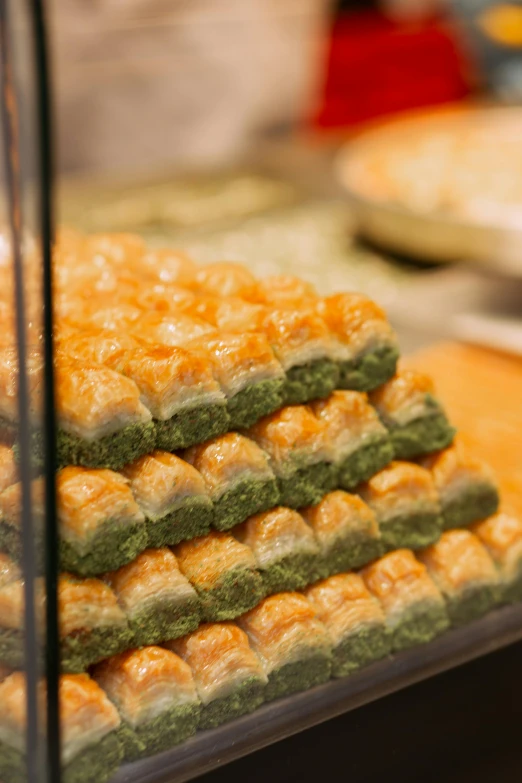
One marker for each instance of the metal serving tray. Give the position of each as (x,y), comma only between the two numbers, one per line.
(280,719)
(430,236)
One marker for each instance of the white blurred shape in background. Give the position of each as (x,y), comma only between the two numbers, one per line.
(144,84)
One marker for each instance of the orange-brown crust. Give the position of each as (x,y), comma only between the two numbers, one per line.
(401,390)
(141,667)
(82,602)
(457,560)
(206,649)
(205,560)
(337,509)
(219,460)
(399,478)
(87,498)
(99,346)
(290,429)
(8,468)
(499,533)
(86,394)
(225,279)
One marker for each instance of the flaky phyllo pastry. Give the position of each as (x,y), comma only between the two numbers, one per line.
(284,546)
(299,452)
(155,694)
(413,605)
(90,747)
(293,646)
(237,476)
(229,678)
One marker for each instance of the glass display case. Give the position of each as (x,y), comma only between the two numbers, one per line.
(229,512)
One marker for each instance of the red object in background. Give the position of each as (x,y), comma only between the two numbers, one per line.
(377,67)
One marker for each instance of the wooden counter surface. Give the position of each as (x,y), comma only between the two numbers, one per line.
(482,392)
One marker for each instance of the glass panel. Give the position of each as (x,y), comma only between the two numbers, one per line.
(28,690)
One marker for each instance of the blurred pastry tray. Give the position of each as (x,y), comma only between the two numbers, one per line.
(422,234)
(281,719)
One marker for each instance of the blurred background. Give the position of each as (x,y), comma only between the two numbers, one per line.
(368,145)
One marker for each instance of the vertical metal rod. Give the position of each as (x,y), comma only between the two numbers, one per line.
(46,181)
(10,121)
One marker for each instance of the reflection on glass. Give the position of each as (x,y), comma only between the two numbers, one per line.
(24,691)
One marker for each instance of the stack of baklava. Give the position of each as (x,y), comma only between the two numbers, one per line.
(252,498)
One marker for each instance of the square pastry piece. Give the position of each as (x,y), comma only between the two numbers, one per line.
(284,547)
(502,536)
(180,390)
(101,526)
(347,532)
(359,440)
(229,677)
(462,569)
(406,504)
(353,618)
(156,697)
(223,573)
(248,372)
(172,495)
(8,467)
(160,603)
(293,646)
(365,346)
(102,422)
(238,478)
(414,417)
(177,387)
(11,517)
(91,750)
(11,613)
(303,344)
(467,488)
(300,454)
(413,605)
(92,624)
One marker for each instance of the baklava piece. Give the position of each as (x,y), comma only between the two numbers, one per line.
(101,526)
(229,677)
(359,441)
(299,453)
(406,504)
(467,488)
(172,495)
(90,748)
(501,534)
(92,624)
(154,692)
(284,547)
(347,532)
(180,390)
(293,646)
(238,478)
(8,467)
(413,605)
(158,600)
(223,573)
(190,406)
(11,608)
(414,417)
(353,618)
(102,422)
(248,373)
(303,345)
(464,572)
(365,345)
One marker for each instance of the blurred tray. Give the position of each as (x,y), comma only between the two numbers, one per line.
(430,235)
(281,719)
